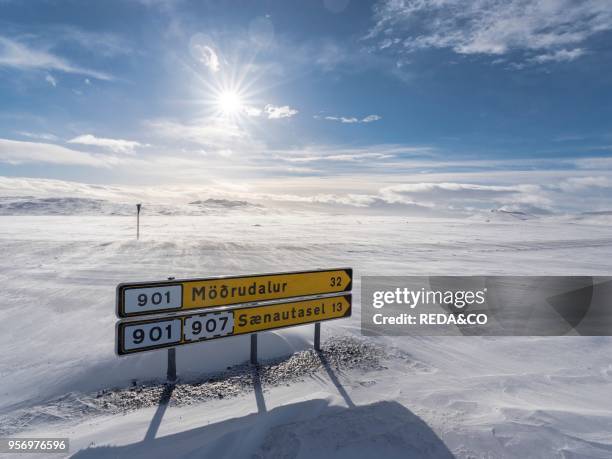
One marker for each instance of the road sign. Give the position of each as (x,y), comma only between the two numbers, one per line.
(143,298)
(144,335)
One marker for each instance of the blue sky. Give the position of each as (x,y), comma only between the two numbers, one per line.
(412,102)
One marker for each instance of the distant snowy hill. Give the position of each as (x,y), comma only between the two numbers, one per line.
(222,204)
(502,214)
(30,205)
(38,206)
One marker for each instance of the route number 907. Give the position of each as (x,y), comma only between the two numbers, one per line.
(206,326)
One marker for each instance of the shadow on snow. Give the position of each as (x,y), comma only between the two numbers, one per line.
(307,429)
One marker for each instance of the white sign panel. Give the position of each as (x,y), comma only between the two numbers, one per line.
(151,335)
(206,326)
(139,300)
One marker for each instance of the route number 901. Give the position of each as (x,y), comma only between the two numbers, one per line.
(141,300)
(152,334)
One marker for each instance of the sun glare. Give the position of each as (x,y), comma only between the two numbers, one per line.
(230,102)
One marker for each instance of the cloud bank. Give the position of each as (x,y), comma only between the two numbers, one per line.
(18,152)
(544,30)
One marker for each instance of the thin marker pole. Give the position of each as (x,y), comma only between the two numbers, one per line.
(138,221)
(317,336)
(254,349)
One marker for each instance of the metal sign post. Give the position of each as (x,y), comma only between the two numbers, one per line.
(317,337)
(171,373)
(254,349)
(138,206)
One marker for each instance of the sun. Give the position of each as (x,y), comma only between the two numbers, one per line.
(230,102)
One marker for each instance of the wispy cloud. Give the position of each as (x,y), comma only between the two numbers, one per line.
(116,145)
(203,51)
(38,136)
(18,55)
(279,111)
(561,55)
(576,184)
(346,157)
(342,119)
(269,111)
(371,118)
(18,152)
(350,119)
(252,111)
(104,44)
(212,133)
(575,194)
(324,157)
(51,80)
(470,197)
(544,30)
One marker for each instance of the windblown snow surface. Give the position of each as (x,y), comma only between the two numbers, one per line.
(465,397)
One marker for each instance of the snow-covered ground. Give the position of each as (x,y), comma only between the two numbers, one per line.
(437,397)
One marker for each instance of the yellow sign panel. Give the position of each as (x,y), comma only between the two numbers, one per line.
(145,335)
(178,295)
(220,292)
(249,320)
